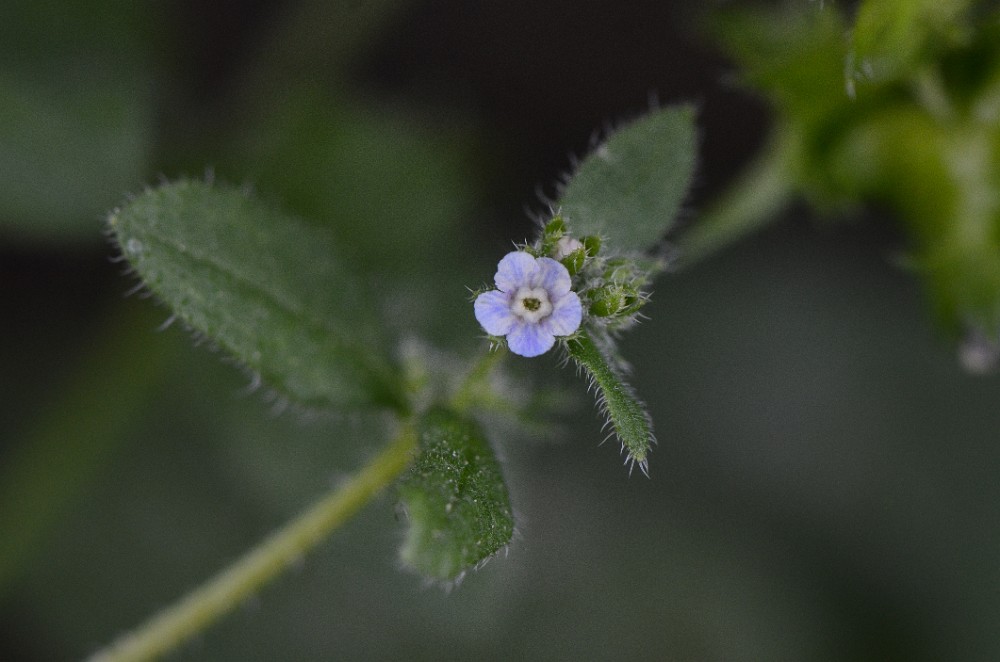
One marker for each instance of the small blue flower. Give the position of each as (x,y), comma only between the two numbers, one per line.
(531,305)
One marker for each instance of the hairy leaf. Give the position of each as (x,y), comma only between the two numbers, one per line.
(455,497)
(630,189)
(626,414)
(264,286)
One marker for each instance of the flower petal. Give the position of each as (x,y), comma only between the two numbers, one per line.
(493,312)
(529,340)
(567,313)
(553,276)
(515,270)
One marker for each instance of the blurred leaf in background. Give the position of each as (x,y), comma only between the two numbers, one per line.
(901,109)
(828,486)
(76,114)
(391,183)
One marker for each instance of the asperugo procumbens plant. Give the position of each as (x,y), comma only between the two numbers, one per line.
(273,292)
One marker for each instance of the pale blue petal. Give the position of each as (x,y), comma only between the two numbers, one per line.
(493,312)
(553,276)
(529,339)
(567,313)
(515,270)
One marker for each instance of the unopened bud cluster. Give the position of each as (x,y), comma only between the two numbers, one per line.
(610,288)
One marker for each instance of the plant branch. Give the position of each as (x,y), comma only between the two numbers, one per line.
(750,204)
(474,389)
(220,595)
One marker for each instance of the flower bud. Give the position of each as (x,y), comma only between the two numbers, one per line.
(555,229)
(574,260)
(615,300)
(592,245)
(606,301)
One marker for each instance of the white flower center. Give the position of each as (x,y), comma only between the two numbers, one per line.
(531,304)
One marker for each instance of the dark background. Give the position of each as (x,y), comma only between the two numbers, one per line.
(825,481)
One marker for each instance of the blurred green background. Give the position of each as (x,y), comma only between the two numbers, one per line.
(825,487)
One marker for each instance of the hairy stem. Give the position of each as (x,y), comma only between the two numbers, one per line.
(220,595)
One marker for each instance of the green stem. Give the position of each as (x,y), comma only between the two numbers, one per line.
(749,205)
(227,590)
(471,392)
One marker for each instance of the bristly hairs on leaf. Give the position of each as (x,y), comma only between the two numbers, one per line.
(616,400)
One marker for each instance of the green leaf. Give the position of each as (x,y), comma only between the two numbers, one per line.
(630,189)
(797,57)
(626,414)
(263,285)
(392,188)
(891,37)
(455,498)
(905,159)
